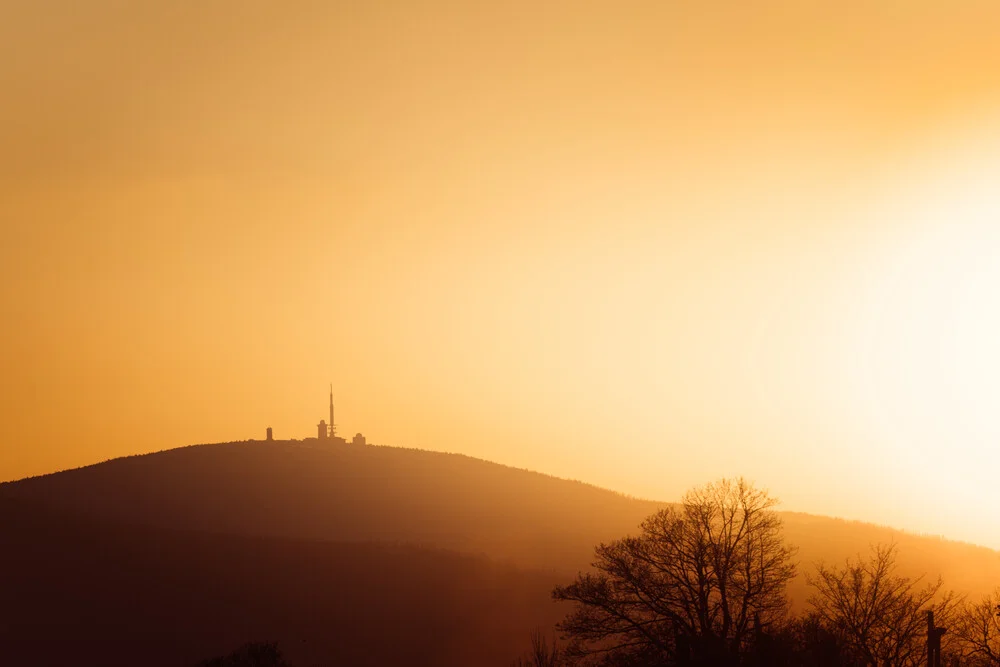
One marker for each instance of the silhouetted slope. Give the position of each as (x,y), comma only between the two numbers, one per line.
(80,592)
(965,568)
(349,493)
(429,498)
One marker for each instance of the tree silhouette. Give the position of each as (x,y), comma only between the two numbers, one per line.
(977,627)
(806,641)
(878,614)
(254,654)
(542,654)
(688,588)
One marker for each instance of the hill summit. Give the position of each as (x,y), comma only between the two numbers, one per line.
(305,490)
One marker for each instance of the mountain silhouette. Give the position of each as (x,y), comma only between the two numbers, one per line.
(366,554)
(283,489)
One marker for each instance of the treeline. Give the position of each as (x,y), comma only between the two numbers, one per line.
(254,654)
(704,584)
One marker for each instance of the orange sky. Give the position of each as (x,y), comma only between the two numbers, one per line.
(642,244)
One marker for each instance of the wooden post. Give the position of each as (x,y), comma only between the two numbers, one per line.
(930,639)
(933,641)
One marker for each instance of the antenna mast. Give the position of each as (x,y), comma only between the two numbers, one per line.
(333,429)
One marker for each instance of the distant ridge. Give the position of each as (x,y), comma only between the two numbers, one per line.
(290,489)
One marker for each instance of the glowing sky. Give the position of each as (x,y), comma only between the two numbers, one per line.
(642,244)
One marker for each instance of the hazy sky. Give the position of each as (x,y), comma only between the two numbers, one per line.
(642,244)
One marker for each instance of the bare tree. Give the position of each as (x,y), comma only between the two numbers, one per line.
(542,654)
(879,614)
(688,588)
(977,629)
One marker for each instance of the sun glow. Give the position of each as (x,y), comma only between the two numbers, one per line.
(927,353)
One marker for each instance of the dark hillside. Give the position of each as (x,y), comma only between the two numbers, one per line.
(298,490)
(353,493)
(82,592)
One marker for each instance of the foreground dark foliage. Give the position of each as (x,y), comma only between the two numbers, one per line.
(879,615)
(977,629)
(542,653)
(697,586)
(704,585)
(257,654)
